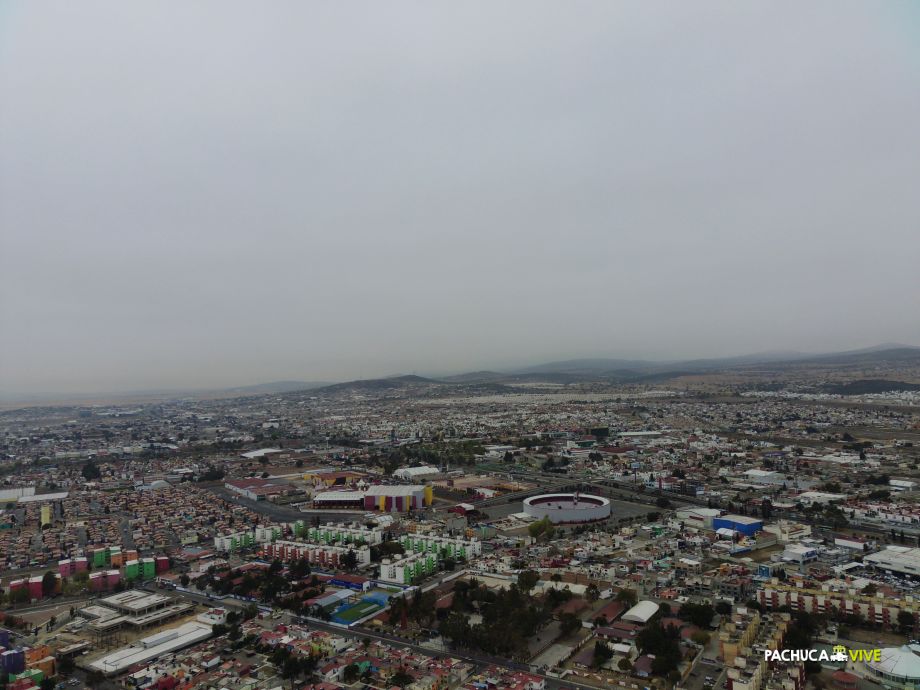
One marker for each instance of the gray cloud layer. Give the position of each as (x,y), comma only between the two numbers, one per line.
(217,193)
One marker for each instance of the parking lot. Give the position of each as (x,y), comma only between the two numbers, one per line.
(705,676)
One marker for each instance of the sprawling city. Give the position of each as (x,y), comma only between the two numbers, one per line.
(530,530)
(518,345)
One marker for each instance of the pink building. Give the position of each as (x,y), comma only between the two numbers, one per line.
(35,587)
(96,582)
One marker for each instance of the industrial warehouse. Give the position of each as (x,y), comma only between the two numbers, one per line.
(152,647)
(133,608)
(386,498)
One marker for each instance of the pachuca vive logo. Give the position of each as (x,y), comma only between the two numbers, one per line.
(839,654)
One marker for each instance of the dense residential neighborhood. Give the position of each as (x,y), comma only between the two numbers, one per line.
(425,535)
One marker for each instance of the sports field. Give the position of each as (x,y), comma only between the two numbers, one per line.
(349,614)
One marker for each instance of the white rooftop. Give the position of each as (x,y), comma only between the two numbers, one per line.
(902,662)
(416,471)
(641,612)
(43,497)
(134,600)
(394,489)
(898,558)
(151,647)
(251,455)
(339,496)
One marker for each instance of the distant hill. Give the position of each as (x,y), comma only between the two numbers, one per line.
(476,383)
(865,386)
(274,387)
(618,368)
(623,368)
(562,372)
(614,371)
(147,396)
(384,384)
(900,354)
(586,366)
(476,377)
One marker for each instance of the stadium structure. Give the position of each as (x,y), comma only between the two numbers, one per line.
(563,509)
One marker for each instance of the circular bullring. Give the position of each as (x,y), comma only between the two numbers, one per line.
(564,509)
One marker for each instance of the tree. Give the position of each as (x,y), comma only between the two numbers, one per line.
(654,639)
(350,673)
(592,592)
(568,623)
(211,474)
(350,560)
(535,529)
(90,471)
(754,604)
(527,580)
(602,654)
(627,596)
(290,669)
(456,628)
(698,614)
(401,678)
(299,569)
(49,583)
(700,637)
(906,622)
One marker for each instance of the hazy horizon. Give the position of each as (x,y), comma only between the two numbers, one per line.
(205,196)
(19,396)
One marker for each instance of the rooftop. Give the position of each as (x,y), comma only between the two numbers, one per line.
(135,600)
(151,647)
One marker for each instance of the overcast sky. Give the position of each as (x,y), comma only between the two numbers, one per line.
(223,193)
